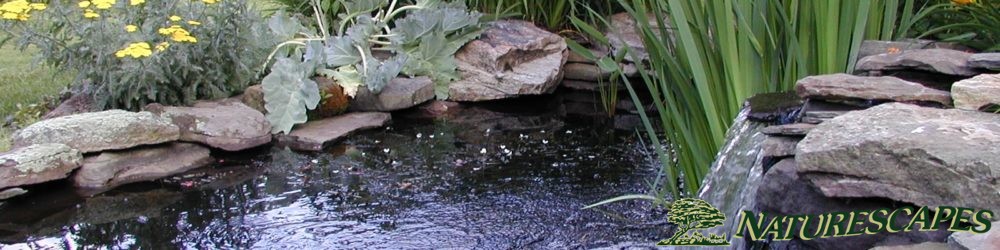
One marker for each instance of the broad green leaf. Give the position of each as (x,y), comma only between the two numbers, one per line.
(454,19)
(340,51)
(349,78)
(355,7)
(288,93)
(378,75)
(283,26)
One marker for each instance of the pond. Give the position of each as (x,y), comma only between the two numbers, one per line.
(493,176)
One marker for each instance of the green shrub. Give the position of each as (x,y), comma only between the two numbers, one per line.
(974,23)
(143,51)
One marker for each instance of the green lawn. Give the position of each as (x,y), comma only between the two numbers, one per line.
(21,81)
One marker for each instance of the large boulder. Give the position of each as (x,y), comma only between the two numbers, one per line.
(400,93)
(977,92)
(510,58)
(924,156)
(99,131)
(943,61)
(115,168)
(865,88)
(37,163)
(316,135)
(227,125)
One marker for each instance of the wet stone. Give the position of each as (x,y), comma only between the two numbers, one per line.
(400,93)
(943,61)
(779,146)
(115,168)
(853,89)
(316,135)
(987,61)
(227,125)
(774,106)
(795,129)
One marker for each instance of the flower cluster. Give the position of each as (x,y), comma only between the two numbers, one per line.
(178,34)
(19,9)
(135,50)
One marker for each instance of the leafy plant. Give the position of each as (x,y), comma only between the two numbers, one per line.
(142,51)
(421,42)
(707,57)
(552,14)
(972,23)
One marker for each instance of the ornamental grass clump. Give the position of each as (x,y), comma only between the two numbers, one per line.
(137,52)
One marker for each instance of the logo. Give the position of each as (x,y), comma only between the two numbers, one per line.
(691,216)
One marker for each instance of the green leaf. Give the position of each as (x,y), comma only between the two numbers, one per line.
(359,6)
(283,26)
(288,93)
(349,78)
(378,75)
(340,51)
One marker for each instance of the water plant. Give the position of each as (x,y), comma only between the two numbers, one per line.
(707,57)
(142,51)
(420,40)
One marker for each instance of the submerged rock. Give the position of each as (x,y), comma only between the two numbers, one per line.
(315,135)
(511,58)
(400,93)
(923,156)
(37,164)
(977,93)
(844,87)
(229,125)
(987,61)
(943,61)
(971,241)
(111,169)
(99,131)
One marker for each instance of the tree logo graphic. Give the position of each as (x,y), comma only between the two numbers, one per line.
(691,216)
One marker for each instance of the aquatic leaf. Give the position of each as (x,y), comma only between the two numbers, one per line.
(288,93)
(340,51)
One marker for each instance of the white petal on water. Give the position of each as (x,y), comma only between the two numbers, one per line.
(482,151)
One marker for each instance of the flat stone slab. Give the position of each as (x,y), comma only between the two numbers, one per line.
(316,135)
(37,164)
(971,241)
(794,129)
(99,131)
(987,61)
(226,125)
(977,93)
(944,61)
(114,168)
(400,93)
(844,87)
(511,58)
(919,155)
(779,146)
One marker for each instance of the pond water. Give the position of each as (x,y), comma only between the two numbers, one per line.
(491,178)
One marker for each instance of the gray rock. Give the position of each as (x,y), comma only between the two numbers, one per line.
(511,58)
(227,125)
(11,193)
(988,61)
(783,192)
(971,241)
(400,93)
(923,156)
(852,88)
(622,32)
(921,246)
(37,163)
(977,92)
(76,104)
(794,129)
(944,61)
(253,97)
(99,131)
(585,72)
(875,47)
(316,135)
(114,168)
(779,146)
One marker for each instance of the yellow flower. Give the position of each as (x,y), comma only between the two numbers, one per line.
(103,4)
(962,2)
(210,1)
(162,46)
(89,13)
(178,34)
(83,4)
(9,16)
(19,9)
(175,18)
(136,2)
(135,50)
(131,28)
(195,23)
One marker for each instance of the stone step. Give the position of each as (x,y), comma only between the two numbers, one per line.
(316,135)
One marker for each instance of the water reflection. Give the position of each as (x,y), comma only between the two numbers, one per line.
(482,179)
